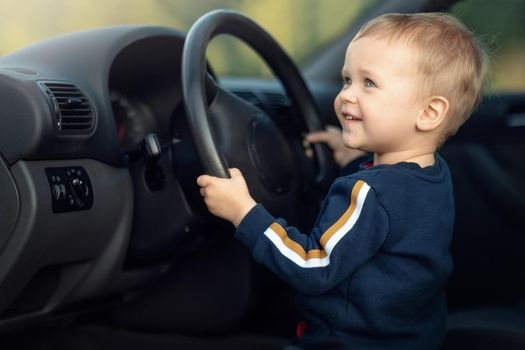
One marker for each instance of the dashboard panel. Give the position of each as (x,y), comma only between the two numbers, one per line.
(128,77)
(143,212)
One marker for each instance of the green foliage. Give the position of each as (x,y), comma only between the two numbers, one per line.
(501,26)
(504,18)
(300,26)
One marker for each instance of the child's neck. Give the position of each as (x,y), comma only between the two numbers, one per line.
(422,158)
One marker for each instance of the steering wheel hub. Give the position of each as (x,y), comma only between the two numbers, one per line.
(270,154)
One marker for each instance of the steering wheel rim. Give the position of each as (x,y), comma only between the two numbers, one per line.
(194,74)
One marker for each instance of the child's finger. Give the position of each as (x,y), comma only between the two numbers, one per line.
(321,136)
(318,136)
(234,172)
(203,180)
(333,129)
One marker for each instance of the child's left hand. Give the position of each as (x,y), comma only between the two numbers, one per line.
(333,139)
(228,199)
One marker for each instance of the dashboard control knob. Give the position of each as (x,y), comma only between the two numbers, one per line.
(70,188)
(80,190)
(57,193)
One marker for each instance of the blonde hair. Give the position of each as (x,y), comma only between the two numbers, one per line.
(452,61)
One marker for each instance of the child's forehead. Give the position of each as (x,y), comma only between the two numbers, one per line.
(374,49)
(383,42)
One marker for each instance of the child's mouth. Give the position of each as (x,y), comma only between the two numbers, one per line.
(351,117)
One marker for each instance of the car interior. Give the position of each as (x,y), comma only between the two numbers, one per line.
(105,242)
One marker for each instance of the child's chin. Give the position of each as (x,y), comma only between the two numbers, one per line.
(350,142)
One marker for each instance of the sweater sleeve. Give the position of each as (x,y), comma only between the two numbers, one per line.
(350,229)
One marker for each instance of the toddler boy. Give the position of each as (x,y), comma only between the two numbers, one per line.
(372,272)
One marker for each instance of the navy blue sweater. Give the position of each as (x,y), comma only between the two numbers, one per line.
(372,272)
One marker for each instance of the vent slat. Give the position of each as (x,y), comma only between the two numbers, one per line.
(66,95)
(75,111)
(80,124)
(61,87)
(85,126)
(79,105)
(276,106)
(75,119)
(76,127)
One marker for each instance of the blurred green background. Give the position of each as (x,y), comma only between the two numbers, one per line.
(501,25)
(302,27)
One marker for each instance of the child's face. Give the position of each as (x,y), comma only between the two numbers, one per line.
(379,102)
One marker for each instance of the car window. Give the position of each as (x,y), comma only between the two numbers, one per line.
(301,26)
(501,25)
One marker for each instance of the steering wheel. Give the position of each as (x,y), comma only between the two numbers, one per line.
(230,131)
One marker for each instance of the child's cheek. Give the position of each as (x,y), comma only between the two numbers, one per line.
(337,105)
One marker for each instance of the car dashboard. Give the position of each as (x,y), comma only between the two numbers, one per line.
(77,210)
(88,213)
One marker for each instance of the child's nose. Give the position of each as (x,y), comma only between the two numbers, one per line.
(348,95)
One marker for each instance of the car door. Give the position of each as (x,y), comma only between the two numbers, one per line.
(486,158)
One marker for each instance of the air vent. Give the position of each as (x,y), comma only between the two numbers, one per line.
(277,106)
(250,97)
(270,102)
(71,109)
(276,103)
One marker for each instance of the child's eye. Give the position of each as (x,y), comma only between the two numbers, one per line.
(369,83)
(347,81)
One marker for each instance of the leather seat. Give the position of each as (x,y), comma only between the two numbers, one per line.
(486,328)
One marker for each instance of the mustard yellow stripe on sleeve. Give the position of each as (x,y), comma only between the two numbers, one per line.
(294,246)
(325,237)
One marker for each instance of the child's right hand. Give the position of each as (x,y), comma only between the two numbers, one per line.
(229,199)
(332,137)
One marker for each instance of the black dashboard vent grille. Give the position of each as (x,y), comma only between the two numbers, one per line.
(250,97)
(271,103)
(71,108)
(276,105)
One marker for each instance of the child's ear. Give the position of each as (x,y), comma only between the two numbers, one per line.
(433,113)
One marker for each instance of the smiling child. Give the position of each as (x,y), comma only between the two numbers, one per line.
(372,272)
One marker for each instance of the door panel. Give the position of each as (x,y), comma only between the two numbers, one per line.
(486,159)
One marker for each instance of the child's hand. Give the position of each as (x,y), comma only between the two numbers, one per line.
(332,137)
(228,199)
